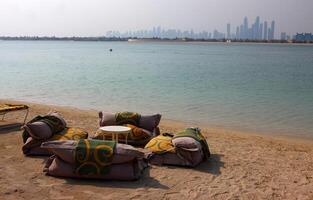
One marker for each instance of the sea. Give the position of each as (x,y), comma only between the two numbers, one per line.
(263,88)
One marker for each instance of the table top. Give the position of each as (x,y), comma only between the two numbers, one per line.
(115,129)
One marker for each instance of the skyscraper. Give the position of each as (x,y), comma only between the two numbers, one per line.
(237,33)
(283,36)
(269,33)
(252,34)
(260,35)
(273,30)
(158,32)
(256,28)
(245,28)
(241,32)
(228,31)
(265,31)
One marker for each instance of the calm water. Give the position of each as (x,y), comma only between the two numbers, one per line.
(264,88)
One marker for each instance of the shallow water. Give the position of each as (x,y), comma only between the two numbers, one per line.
(263,88)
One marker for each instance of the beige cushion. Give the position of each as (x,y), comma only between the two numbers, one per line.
(38,130)
(125,171)
(59,116)
(186,143)
(148,122)
(65,151)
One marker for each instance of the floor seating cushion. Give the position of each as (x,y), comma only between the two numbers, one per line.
(187,148)
(143,127)
(48,128)
(94,159)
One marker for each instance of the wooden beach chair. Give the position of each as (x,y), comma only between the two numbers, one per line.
(8,108)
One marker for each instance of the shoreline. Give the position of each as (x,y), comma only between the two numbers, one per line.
(180,123)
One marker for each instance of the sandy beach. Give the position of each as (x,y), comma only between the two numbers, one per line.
(242,166)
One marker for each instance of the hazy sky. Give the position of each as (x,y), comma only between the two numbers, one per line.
(95,17)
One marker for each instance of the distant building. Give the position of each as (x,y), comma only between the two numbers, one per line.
(241,32)
(271,35)
(256,28)
(228,31)
(260,35)
(304,37)
(265,31)
(217,35)
(237,33)
(283,36)
(256,31)
(245,28)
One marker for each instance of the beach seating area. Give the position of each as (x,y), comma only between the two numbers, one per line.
(240,163)
(124,145)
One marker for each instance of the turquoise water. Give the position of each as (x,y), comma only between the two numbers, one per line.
(263,88)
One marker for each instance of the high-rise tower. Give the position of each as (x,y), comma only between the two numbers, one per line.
(228,31)
(260,35)
(273,30)
(256,28)
(245,28)
(265,31)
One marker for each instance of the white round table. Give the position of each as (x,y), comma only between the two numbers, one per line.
(116,131)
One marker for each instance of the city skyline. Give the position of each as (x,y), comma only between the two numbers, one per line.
(95,17)
(248,30)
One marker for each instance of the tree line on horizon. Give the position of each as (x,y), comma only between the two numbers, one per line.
(103,38)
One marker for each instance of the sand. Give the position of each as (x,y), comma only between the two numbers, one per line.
(242,166)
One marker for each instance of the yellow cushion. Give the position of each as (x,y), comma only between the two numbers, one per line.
(70,134)
(161,144)
(138,133)
(12,107)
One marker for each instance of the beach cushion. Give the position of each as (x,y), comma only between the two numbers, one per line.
(70,133)
(43,127)
(38,130)
(184,139)
(179,158)
(186,143)
(135,134)
(161,144)
(32,145)
(66,151)
(138,133)
(123,172)
(48,128)
(148,122)
(186,148)
(126,162)
(127,118)
(59,116)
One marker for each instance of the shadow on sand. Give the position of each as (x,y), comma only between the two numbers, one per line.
(12,127)
(146,181)
(212,166)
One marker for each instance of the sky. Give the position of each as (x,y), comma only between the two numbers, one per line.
(96,17)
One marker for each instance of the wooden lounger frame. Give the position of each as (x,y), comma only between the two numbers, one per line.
(3,113)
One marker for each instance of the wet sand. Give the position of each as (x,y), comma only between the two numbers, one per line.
(242,166)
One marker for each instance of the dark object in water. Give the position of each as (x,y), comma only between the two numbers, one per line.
(111,50)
